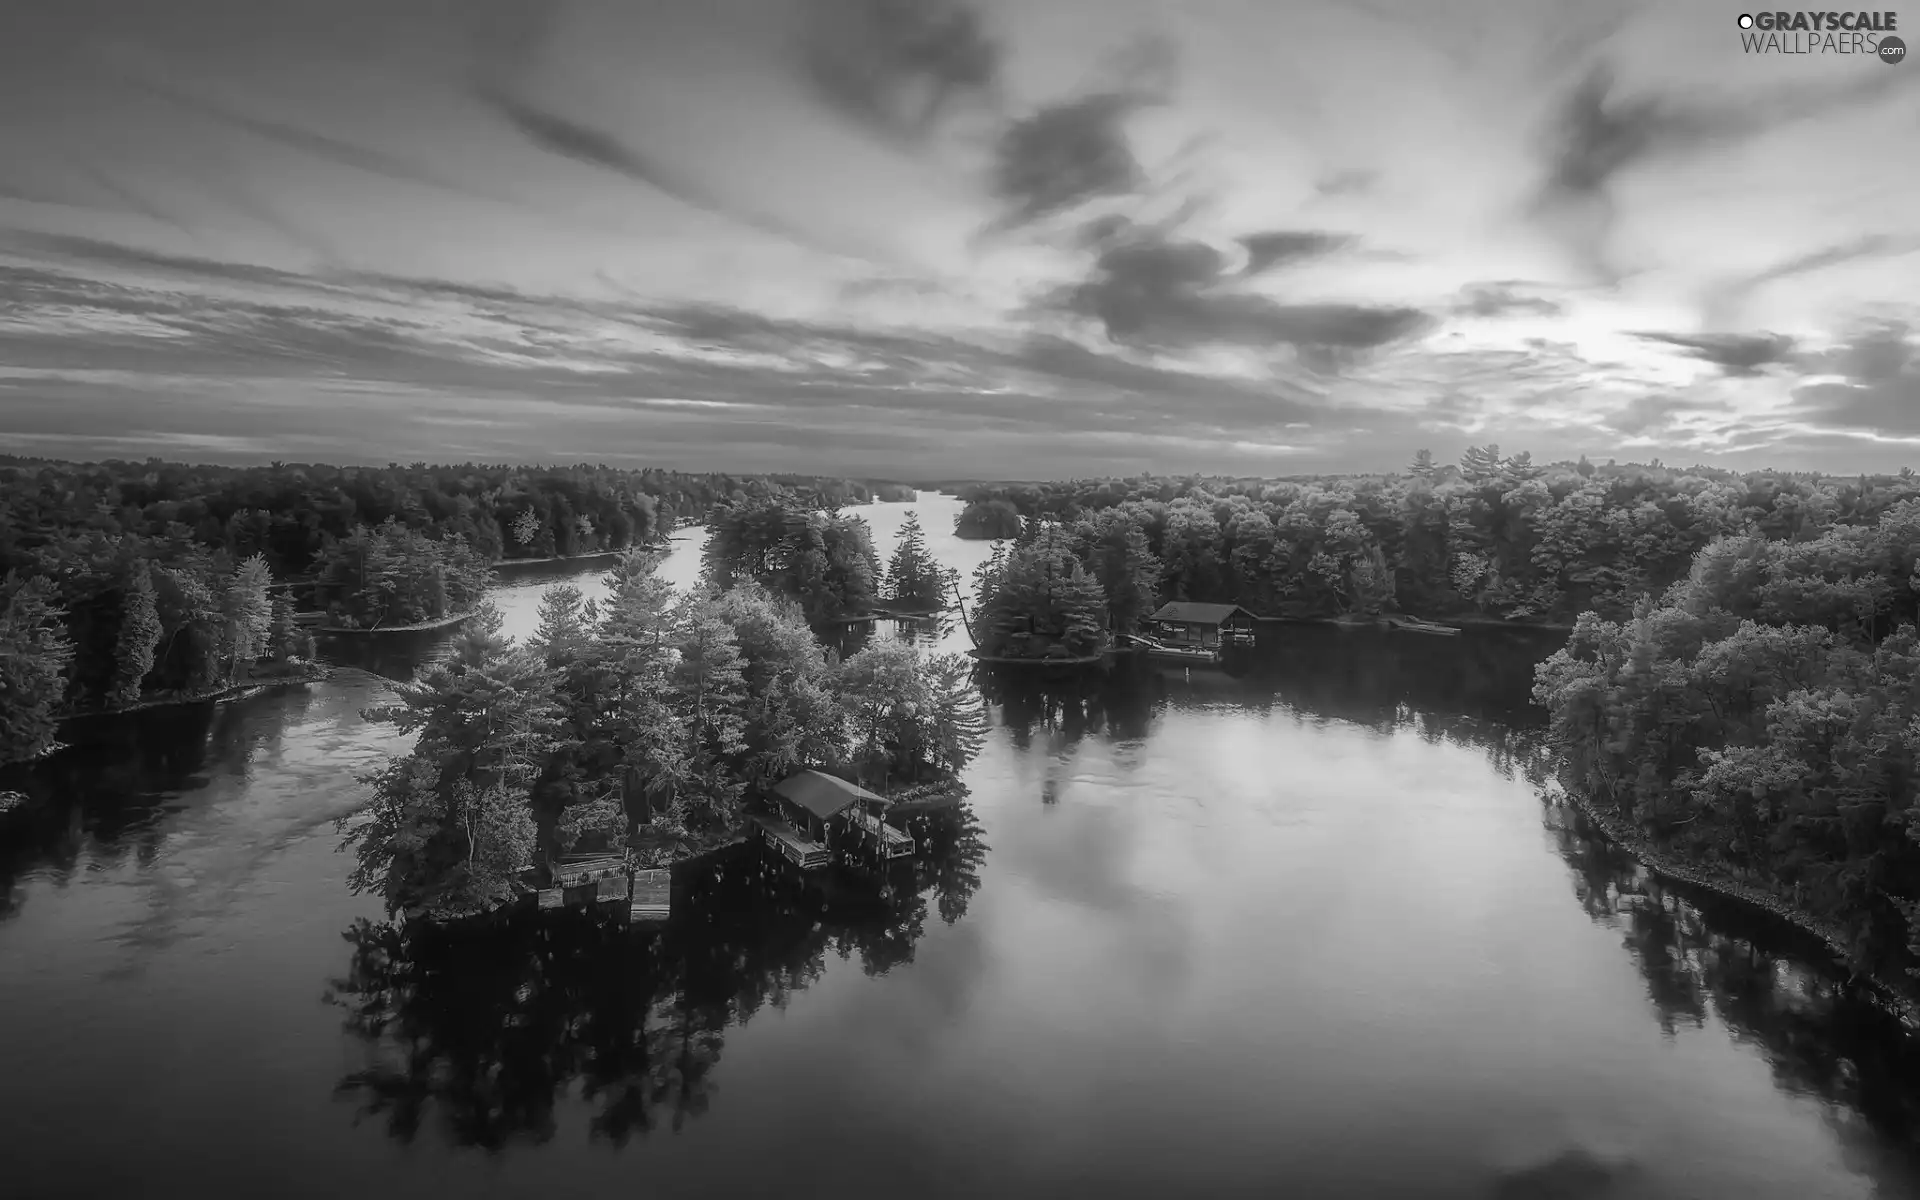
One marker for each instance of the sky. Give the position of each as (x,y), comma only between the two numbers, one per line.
(934,239)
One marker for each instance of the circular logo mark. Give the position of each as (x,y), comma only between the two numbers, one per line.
(1746,20)
(1892,50)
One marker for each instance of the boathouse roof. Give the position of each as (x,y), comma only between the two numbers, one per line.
(1186,612)
(822,794)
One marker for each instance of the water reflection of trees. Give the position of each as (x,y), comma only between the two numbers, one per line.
(100,801)
(1471,690)
(493,1024)
(1706,956)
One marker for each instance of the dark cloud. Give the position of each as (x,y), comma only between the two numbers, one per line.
(897,65)
(1734,353)
(1501,299)
(1065,155)
(1163,292)
(1281,247)
(1879,386)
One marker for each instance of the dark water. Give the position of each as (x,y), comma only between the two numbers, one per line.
(1300,927)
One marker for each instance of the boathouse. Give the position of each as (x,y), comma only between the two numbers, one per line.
(1185,625)
(811,810)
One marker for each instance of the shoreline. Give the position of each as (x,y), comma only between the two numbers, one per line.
(568,558)
(240,691)
(1083,660)
(1383,622)
(1881,992)
(413,627)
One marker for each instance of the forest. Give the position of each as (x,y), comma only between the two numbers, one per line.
(1761,716)
(133,583)
(1494,538)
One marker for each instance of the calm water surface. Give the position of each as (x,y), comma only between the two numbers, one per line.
(1302,927)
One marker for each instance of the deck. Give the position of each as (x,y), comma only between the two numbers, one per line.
(896,843)
(652,898)
(792,845)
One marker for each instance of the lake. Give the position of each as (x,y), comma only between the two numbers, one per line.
(1302,926)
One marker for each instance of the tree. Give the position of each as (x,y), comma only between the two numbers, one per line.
(988,519)
(1481,464)
(138,637)
(912,716)
(793,718)
(914,577)
(1422,466)
(709,680)
(451,822)
(1114,550)
(35,653)
(566,625)
(1039,601)
(249,611)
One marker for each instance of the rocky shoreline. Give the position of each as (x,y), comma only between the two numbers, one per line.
(1885,994)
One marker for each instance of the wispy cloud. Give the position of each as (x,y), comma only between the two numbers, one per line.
(1736,354)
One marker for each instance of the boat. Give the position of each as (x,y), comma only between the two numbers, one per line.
(1416,625)
(1154,648)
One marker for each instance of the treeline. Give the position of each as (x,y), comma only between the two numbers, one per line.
(1763,717)
(288,512)
(106,621)
(126,548)
(1495,536)
(641,724)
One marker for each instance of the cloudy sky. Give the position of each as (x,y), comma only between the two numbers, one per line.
(1001,238)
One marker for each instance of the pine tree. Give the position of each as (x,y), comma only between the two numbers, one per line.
(914,577)
(451,822)
(1038,595)
(248,608)
(566,625)
(138,638)
(34,655)
(1422,466)
(1481,463)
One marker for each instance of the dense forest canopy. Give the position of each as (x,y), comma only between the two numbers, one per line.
(1494,537)
(167,580)
(288,511)
(814,555)
(1763,716)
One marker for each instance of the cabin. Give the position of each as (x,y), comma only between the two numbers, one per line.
(813,810)
(1185,625)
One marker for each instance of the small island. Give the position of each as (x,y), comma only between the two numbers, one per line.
(640,732)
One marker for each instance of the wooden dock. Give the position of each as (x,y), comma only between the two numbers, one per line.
(792,845)
(652,896)
(894,843)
